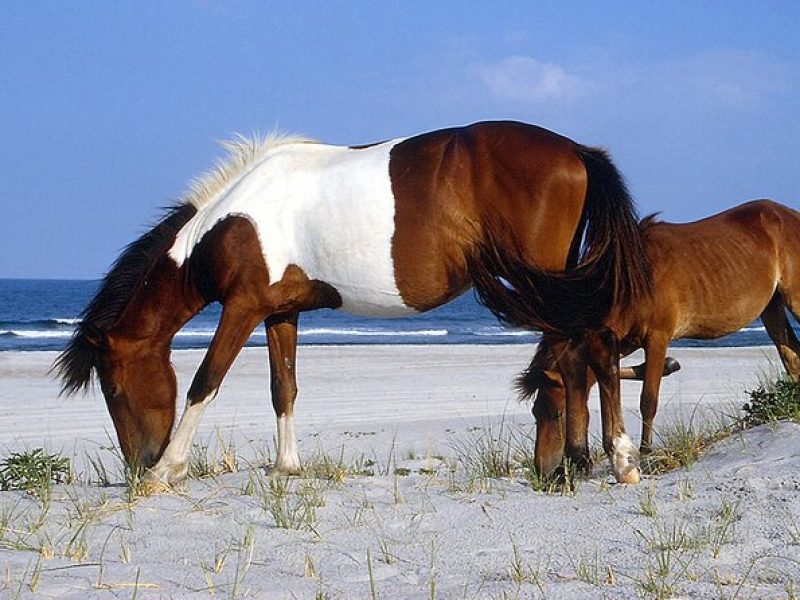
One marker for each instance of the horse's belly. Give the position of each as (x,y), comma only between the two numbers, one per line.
(358,266)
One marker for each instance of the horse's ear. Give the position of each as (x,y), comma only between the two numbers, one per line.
(532,380)
(93,335)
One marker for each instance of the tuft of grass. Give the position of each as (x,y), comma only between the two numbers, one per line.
(671,550)
(34,471)
(773,400)
(501,451)
(210,459)
(648,503)
(590,569)
(291,506)
(486,453)
(335,471)
(520,571)
(135,485)
(564,481)
(682,442)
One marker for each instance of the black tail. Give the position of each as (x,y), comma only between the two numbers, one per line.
(612,268)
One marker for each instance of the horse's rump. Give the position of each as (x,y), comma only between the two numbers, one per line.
(612,268)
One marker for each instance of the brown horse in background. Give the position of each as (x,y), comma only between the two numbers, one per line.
(400,227)
(710,278)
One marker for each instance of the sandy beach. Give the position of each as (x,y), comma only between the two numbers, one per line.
(407,520)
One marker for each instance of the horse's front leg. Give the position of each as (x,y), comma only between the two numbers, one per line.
(282,341)
(236,325)
(603,355)
(572,365)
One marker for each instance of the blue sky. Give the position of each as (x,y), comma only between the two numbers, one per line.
(108,109)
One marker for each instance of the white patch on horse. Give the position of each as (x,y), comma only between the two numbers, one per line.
(173,464)
(288,459)
(327,209)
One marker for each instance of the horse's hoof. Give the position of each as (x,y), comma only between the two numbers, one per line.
(625,461)
(163,478)
(154,488)
(288,470)
(631,477)
(288,466)
(670,366)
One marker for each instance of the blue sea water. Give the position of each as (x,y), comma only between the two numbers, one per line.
(40,314)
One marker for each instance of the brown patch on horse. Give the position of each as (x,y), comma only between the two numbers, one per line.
(449,198)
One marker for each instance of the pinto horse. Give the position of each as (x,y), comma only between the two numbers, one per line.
(710,278)
(288,225)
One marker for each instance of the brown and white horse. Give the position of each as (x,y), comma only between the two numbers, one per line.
(710,278)
(288,225)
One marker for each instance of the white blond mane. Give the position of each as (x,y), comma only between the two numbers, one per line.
(242,153)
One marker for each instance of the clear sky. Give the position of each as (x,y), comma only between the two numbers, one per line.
(108,109)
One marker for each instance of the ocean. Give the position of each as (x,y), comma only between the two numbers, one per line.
(39,314)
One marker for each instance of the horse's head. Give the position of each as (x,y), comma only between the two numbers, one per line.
(139,386)
(543,382)
(549,408)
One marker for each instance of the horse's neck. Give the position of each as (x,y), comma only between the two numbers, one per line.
(162,304)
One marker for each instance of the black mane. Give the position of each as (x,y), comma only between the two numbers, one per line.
(119,286)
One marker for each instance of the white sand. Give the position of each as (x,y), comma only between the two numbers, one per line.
(728,526)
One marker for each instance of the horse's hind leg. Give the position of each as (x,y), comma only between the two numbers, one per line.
(654,367)
(780,330)
(282,340)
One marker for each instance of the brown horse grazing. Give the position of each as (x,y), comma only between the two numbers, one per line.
(395,228)
(710,278)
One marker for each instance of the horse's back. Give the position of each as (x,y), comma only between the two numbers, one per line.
(391,225)
(719,272)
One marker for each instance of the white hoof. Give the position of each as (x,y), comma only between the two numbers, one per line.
(289,464)
(165,476)
(625,461)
